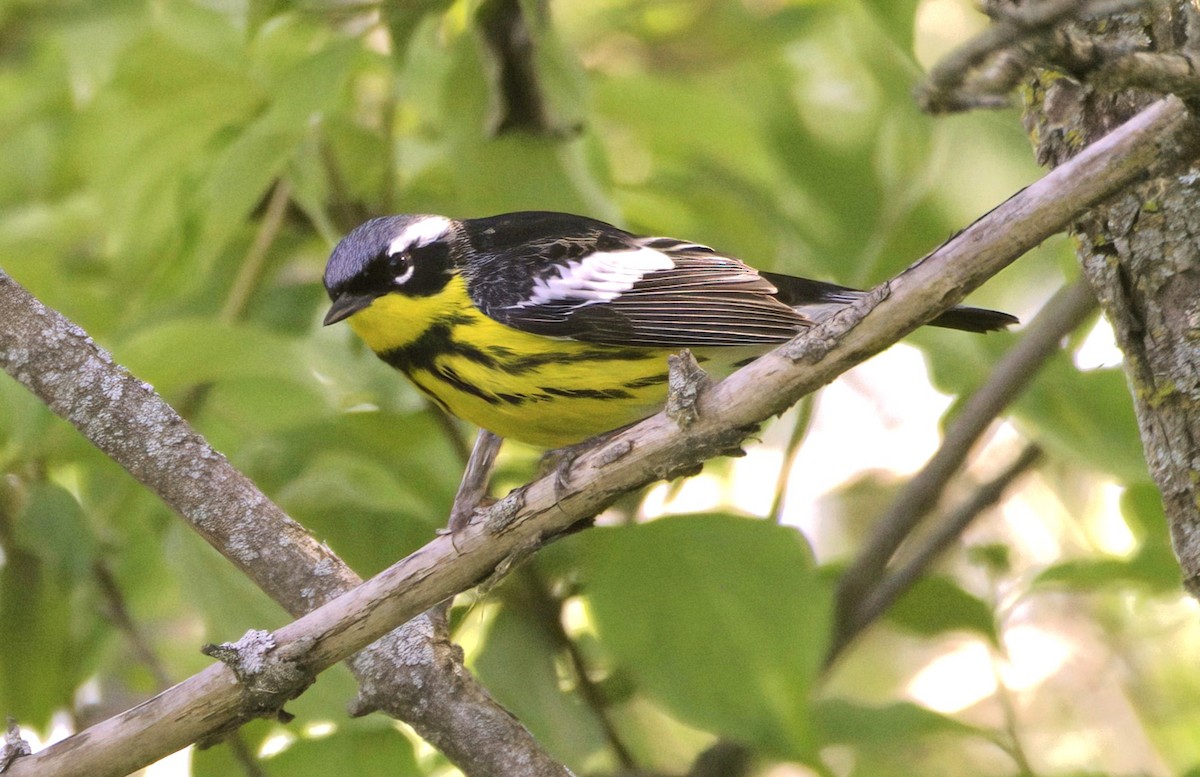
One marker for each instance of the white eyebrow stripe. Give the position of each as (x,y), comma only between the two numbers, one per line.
(598,277)
(421,232)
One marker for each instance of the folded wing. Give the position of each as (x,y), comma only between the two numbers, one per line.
(655,292)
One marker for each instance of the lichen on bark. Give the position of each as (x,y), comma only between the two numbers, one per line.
(1140,251)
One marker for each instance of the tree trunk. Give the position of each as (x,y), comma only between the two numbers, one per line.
(1141,250)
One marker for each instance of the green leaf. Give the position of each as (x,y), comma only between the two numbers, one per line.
(1090,574)
(241,175)
(35,676)
(1061,407)
(54,525)
(936,604)
(230,603)
(519,665)
(722,620)
(143,169)
(995,557)
(900,739)
(1142,506)
(221,760)
(352,748)
(897,18)
(363,508)
(383,752)
(900,724)
(312,84)
(1153,565)
(182,353)
(1064,404)
(247,406)
(236,180)
(48,613)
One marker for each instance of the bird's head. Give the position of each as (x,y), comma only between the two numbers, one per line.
(407,255)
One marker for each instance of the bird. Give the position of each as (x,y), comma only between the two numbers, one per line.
(551,328)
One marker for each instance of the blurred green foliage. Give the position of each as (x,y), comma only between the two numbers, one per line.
(144,144)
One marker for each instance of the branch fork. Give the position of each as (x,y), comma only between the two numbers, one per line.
(269,677)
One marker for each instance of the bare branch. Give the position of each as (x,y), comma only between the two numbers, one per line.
(542,509)
(14,746)
(252,264)
(1177,72)
(982,72)
(896,582)
(1060,316)
(118,613)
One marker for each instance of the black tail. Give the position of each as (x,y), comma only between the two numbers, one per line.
(801,293)
(970,319)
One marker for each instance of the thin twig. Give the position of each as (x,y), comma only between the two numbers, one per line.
(1012,744)
(244,756)
(543,605)
(547,608)
(250,268)
(252,263)
(1065,311)
(119,613)
(896,582)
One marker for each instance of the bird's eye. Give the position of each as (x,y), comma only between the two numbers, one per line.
(400,267)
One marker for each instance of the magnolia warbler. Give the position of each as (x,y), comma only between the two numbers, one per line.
(550,328)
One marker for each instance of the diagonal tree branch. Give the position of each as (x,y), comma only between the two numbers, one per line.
(159,447)
(897,581)
(1065,311)
(415,674)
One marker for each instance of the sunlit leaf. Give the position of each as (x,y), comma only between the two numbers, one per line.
(937,604)
(1152,565)
(558,716)
(722,620)
(882,728)
(363,753)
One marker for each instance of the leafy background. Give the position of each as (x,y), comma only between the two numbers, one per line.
(173,176)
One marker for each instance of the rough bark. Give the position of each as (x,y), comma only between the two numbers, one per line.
(1141,250)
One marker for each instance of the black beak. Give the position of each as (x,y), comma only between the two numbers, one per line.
(347,305)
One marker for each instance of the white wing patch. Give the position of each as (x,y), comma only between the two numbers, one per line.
(421,232)
(598,277)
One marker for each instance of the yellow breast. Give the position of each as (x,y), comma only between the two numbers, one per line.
(543,391)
